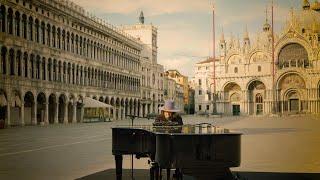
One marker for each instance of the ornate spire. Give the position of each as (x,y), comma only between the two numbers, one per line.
(306,5)
(266,26)
(141,18)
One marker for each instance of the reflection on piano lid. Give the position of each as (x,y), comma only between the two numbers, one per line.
(199,129)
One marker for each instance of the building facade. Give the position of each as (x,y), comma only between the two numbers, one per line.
(151,72)
(53,54)
(249,82)
(182,81)
(203,85)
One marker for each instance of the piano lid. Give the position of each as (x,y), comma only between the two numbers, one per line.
(188,129)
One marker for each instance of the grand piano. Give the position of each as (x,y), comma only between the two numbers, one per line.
(202,150)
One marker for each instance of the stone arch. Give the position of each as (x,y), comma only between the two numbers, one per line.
(53,112)
(293,55)
(232,97)
(71,108)
(3,22)
(15,108)
(288,84)
(287,39)
(234,59)
(29,108)
(107,100)
(3,105)
(41,107)
(62,114)
(254,88)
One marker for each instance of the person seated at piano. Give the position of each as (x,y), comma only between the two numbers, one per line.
(169,114)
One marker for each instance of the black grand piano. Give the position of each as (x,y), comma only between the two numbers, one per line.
(202,151)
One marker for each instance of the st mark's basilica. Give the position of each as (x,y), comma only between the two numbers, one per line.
(245,82)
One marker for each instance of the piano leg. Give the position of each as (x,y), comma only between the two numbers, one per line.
(118,159)
(157,171)
(152,173)
(178,174)
(160,173)
(168,173)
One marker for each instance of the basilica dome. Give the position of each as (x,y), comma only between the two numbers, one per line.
(308,20)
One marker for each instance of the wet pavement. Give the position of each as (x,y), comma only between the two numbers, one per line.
(274,145)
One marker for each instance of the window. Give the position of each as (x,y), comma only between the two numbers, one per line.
(259,98)
(236,70)
(200,92)
(259,68)
(208,107)
(199,82)
(199,107)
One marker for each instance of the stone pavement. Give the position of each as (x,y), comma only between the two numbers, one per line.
(272,147)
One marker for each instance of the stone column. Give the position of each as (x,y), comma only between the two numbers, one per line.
(141,111)
(34,114)
(82,113)
(114,113)
(7,63)
(74,115)
(13,24)
(22,114)
(65,117)
(56,114)
(8,120)
(46,113)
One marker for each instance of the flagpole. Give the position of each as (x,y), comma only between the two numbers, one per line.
(273,61)
(214,61)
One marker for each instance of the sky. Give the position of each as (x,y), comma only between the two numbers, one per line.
(185,26)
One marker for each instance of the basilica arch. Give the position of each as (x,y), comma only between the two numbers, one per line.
(255,97)
(232,98)
(293,55)
(291,94)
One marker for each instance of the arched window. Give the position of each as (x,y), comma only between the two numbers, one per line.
(37,30)
(30,29)
(24,26)
(2,19)
(43,33)
(25,58)
(10,21)
(259,98)
(12,62)
(17,24)
(4,60)
(236,70)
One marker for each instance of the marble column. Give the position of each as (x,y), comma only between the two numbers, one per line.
(56,114)
(114,113)
(46,113)
(34,114)
(65,117)
(74,114)
(8,120)
(82,113)
(22,114)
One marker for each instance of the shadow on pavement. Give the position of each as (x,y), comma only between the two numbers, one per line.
(143,174)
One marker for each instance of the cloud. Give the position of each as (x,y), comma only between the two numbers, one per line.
(184,26)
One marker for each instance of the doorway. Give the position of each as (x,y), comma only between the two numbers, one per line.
(236,110)
(294,105)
